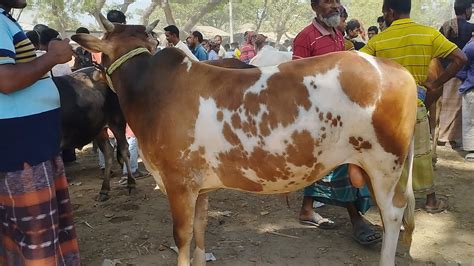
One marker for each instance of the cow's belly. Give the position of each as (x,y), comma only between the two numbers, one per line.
(267,173)
(154,171)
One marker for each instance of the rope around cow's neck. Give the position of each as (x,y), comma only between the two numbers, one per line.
(119,62)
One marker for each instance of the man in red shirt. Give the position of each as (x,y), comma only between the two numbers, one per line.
(319,38)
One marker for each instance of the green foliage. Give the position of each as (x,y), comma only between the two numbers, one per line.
(428,12)
(279,16)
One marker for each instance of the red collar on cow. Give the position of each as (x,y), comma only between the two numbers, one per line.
(119,62)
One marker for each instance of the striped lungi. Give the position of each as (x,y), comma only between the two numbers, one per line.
(450,121)
(336,189)
(423,175)
(36,217)
(468,120)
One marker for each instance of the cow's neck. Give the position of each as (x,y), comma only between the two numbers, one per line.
(141,80)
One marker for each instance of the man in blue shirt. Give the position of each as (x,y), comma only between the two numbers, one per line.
(33,186)
(467,91)
(195,40)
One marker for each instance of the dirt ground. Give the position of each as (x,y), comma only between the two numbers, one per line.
(247,229)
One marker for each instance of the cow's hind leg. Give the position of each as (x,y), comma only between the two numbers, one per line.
(182,202)
(106,148)
(392,220)
(396,203)
(200,225)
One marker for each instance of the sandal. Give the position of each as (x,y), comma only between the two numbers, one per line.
(469,157)
(319,222)
(365,236)
(441,206)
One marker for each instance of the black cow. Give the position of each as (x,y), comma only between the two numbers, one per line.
(87,107)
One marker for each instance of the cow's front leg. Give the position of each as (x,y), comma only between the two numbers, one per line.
(182,202)
(200,225)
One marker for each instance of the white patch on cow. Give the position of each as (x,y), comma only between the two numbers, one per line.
(250,174)
(372,60)
(187,61)
(327,97)
(208,132)
(261,84)
(328,93)
(249,142)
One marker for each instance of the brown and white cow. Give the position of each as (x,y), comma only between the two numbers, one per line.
(262,130)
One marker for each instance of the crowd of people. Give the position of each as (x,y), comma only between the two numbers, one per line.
(35,209)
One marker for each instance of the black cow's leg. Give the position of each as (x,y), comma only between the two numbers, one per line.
(123,154)
(106,148)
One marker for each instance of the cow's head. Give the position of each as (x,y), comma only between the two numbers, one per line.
(118,40)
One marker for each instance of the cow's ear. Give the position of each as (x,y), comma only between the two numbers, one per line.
(89,42)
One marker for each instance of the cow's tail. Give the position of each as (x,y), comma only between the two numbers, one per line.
(409,214)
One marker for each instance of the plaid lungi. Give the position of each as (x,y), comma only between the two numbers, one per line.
(36,217)
(468,120)
(450,121)
(423,175)
(336,189)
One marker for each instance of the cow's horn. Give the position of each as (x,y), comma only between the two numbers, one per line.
(108,26)
(152,26)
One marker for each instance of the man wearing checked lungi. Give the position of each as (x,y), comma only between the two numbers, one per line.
(36,223)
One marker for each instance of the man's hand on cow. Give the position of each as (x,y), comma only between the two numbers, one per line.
(60,50)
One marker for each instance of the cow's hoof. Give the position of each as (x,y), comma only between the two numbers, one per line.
(103,197)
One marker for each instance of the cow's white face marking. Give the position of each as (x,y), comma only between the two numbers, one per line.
(327,98)
(187,61)
(371,60)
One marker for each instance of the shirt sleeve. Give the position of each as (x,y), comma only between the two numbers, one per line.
(469,51)
(442,47)
(301,46)
(7,49)
(369,48)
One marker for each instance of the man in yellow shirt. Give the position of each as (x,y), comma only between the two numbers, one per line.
(413,46)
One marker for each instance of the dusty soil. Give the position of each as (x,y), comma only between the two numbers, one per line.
(247,229)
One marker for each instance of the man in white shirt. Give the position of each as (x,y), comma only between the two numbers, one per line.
(222,50)
(172,36)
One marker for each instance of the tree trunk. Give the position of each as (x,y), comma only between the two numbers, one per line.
(99,4)
(279,35)
(210,6)
(168,12)
(59,19)
(262,17)
(148,11)
(125,5)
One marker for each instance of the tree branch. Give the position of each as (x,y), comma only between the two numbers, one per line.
(99,4)
(210,6)
(148,11)
(165,5)
(125,5)
(263,16)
